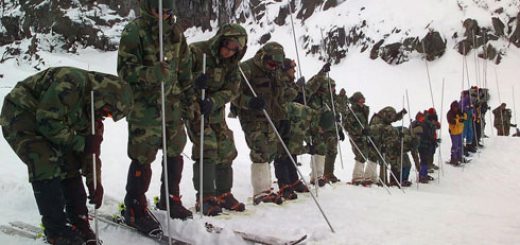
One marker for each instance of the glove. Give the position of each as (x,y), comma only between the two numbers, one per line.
(403,112)
(301,81)
(93,144)
(338,119)
(513,125)
(438,141)
(341,135)
(400,134)
(95,196)
(206,105)
(312,150)
(257,103)
(201,82)
(325,68)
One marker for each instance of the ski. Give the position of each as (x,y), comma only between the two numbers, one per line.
(255,238)
(21,232)
(118,222)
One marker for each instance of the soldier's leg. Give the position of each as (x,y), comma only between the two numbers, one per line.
(358,173)
(261,140)
(330,159)
(318,161)
(43,162)
(143,144)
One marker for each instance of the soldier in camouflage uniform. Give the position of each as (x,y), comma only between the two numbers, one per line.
(46,120)
(393,155)
(139,65)
(341,102)
(358,132)
(284,169)
(382,134)
(502,120)
(325,144)
(221,83)
(264,74)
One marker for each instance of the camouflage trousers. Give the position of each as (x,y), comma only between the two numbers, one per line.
(44,160)
(261,140)
(359,144)
(145,141)
(219,153)
(327,145)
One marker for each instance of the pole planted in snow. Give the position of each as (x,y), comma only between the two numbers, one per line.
(439,159)
(94,167)
(286,149)
(201,153)
(410,128)
(163,122)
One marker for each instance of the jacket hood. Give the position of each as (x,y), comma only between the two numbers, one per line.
(271,50)
(232,31)
(147,6)
(388,114)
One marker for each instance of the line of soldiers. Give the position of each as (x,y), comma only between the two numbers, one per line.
(45,119)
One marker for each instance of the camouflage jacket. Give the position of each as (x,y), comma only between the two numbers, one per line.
(502,117)
(60,100)
(352,125)
(138,64)
(319,97)
(223,74)
(267,84)
(341,109)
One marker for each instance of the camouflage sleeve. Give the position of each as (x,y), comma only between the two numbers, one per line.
(242,101)
(352,125)
(184,70)
(312,86)
(130,65)
(290,92)
(52,111)
(230,91)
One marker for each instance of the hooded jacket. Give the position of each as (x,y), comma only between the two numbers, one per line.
(138,63)
(453,116)
(223,74)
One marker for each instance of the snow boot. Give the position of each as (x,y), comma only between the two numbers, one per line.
(135,212)
(210,206)
(287,193)
(228,201)
(76,209)
(423,179)
(177,210)
(317,170)
(299,186)
(261,181)
(50,201)
(267,196)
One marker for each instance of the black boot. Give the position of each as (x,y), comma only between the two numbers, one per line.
(281,171)
(76,209)
(50,200)
(177,210)
(136,213)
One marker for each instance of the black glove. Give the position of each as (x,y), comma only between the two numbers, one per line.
(93,144)
(400,134)
(95,196)
(312,150)
(341,135)
(513,125)
(284,128)
(438,141)
(403,112)
(325,68)
(338,118)
(206,105)
(257,103)
(301,81)
(201,82)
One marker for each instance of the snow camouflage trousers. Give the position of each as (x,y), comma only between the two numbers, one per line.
(219,145)
(261,140)
(145,141)
(44,160)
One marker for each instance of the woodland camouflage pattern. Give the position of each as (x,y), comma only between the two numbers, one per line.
(46,117)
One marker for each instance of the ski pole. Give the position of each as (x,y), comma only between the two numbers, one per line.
(428,73)
(94,167)
(410,118)
(285,148)
(402,148)
(163,121)
(201,156)
(439,159)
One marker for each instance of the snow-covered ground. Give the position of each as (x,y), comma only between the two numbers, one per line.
(472,205)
